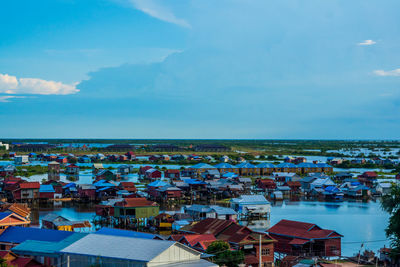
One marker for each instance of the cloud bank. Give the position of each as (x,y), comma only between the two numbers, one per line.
(12,85)
(395,72)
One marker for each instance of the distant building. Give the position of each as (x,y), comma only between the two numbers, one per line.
(305,239)
(19,160)
(53,171)
(251,205)
(211,148)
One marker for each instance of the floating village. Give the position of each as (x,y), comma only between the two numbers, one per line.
(177,209)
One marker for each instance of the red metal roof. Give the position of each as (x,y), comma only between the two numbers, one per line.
(210,226)
(297,241)
(194,239)
(137,202)
(226,230)
(301,230)
(29,185)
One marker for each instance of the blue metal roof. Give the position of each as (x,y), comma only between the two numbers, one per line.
(286,165)
(4,214)
(265,165)
(202,166)
(224,165)
(323,165)
(49,249)
(126,233)
(17,234)
(69,185)
(157,183)
(46,188)
(194,181)
(247,165)
(307,165)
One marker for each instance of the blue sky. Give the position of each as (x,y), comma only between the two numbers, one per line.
(200,69)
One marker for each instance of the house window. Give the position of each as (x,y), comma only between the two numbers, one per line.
(265,252)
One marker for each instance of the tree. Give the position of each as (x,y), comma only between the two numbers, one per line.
(223,254)
(391,204)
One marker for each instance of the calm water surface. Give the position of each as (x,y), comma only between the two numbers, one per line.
(358,222)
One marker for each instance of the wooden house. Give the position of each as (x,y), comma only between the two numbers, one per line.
(27,191)
(168,192)
(239,238)
(87,191)
(8,218)
(153,174)
(200,168)
(57,222)
(288,167)
(225,167)
(172,174)
(46,191)
(128,186)
(53,171)
(266,168)
(368,178)
(106,175)
(136,208)
(266,184)
(248,169)
(305,239)
(295,186)
(72,169)
(97,167)
(251,205)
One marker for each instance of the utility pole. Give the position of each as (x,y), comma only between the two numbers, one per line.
(259,253)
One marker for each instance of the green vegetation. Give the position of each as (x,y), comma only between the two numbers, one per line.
(223,254)
(30,170)
(252,147)
(391,204)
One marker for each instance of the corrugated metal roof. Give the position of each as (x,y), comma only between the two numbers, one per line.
(46,188)
(224,165)
(17,234)
(202,166)
(286,165)
(40,248)
(125,233)
(246,165)
(265,165)
(128,248)
(254,199)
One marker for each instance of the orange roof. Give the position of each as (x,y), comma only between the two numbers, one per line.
(29,185)
(194,239)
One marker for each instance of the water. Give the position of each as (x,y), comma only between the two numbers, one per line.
(358,222)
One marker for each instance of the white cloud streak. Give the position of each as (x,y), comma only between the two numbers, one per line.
(155,10)
(6,98)
(367,42)
(395,72)
(12,85)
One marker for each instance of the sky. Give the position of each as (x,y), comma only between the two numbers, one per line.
(246,69)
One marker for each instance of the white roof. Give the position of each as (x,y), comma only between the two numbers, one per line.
(128,248)
(256,199)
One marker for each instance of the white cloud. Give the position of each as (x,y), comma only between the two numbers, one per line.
(5,98)
(13,85)
(367,42)
(151,8)
(395,72)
